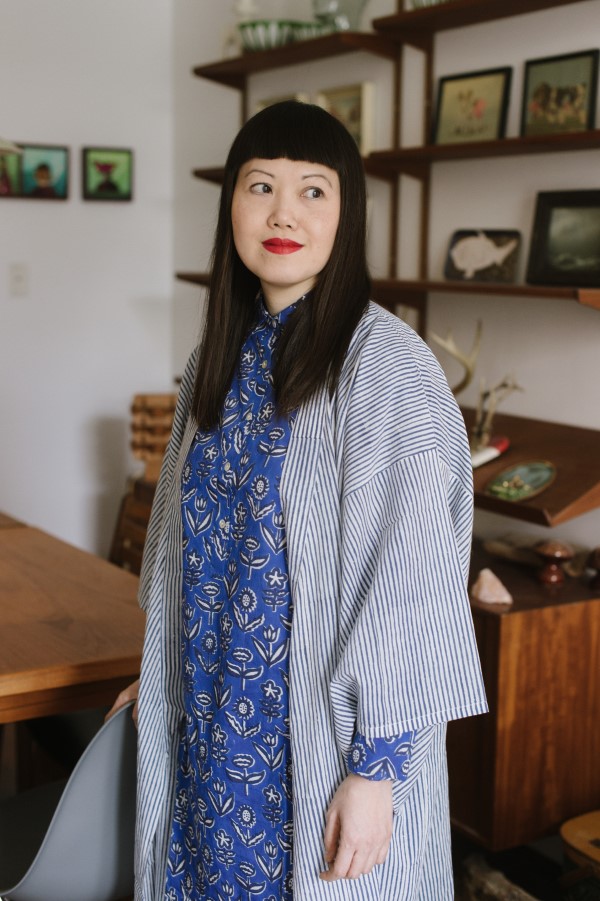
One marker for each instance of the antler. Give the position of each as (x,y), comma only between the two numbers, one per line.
(482,428)
(468,361)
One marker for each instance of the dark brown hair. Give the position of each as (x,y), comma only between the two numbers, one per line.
(316,336)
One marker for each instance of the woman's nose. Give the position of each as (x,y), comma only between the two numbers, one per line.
(282,216)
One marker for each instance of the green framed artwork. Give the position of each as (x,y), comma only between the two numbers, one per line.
(10,175)
(107,173)
(44,172)
(472,107)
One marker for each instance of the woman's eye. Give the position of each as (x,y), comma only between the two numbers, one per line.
(261,188)
(313,193)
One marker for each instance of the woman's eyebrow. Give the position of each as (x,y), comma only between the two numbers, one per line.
(260,171)
(318,175)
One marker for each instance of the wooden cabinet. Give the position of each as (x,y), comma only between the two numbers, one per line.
(530,764)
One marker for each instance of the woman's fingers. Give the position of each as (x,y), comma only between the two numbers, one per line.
(124,697)
(340,867)
(331,836)
(358,828)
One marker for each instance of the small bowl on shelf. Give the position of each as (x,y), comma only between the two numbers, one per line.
(264,34)
(305,31)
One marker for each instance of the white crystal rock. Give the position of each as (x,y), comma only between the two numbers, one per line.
(489,589)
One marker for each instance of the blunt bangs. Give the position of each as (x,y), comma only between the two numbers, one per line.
(295,131)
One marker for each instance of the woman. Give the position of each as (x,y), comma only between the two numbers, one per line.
(308,629)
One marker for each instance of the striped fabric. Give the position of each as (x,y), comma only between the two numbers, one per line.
(377,496)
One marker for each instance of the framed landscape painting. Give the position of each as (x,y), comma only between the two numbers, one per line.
(565,244)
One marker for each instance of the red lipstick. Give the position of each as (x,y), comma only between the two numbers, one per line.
(281,245)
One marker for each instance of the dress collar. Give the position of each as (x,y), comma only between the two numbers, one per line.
(277,319)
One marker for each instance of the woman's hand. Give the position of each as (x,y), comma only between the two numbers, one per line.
(358,827)
(128,694)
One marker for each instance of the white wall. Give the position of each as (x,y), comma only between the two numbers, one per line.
(95,326)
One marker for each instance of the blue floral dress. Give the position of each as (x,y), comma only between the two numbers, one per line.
(232,826)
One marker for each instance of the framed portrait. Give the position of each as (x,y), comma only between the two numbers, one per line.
(483,255)
(44,172)
(107,173)
(565,243)
(263,104)
(559,93)
(472,107)
(352,105)
(10,174)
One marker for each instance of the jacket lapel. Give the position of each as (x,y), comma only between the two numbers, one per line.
(298,476)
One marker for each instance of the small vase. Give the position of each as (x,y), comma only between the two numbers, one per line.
(343,15)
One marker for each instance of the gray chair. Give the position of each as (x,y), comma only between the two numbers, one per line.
(73,841)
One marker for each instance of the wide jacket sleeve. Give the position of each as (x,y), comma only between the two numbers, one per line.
(408,656)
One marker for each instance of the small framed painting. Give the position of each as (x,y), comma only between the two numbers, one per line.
(44,172)
(472,107)
(565,244)
(107,173)
(10,174)
(483,255)
(559,93)
(353,107)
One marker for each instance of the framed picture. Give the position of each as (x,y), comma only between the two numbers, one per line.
(10,174)
(472,107)
(484,255)
(565,244)
(43,172)
(107,173)
(559,93)
(353,107)
(263,104)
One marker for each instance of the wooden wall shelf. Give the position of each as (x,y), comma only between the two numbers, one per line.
(234,72)
(194,278)
(411,27)
(214,174)
(589,297)
(574,451)
(417,159)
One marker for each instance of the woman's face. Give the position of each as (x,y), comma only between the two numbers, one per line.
(285,216)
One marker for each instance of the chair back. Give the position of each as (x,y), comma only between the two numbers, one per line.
(87,851)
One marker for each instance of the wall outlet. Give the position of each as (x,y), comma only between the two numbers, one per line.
(18,279)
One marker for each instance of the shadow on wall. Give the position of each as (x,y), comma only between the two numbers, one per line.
(109,466)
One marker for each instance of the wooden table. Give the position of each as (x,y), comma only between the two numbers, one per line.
(7,522)
(70,626)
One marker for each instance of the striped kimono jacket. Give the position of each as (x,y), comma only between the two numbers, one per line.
(377,498)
